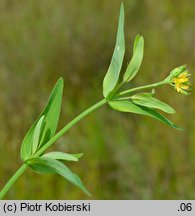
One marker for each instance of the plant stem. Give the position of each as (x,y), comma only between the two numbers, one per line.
(68,126)
(49,143)
(143,87)
(17,174)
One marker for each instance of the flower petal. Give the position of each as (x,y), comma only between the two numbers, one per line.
(184,86)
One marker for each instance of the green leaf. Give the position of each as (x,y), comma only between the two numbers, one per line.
(135,63)
(37,134)
(51,113)
(63,156)
(147,100)
(39,167)
(50,165)
(114,69)
(135,42)
(128,106)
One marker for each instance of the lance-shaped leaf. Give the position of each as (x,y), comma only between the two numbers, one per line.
(128,106)
(37,134)
(50,165)
(63,156)
(114,69)
(135,63)
(51,113)
(147,100)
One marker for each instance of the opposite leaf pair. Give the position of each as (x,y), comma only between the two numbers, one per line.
(143,103)
(40,133)
(43,134)
(50,164)
(45,126)
(112,76)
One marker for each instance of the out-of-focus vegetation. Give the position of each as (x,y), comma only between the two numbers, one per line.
(125,156)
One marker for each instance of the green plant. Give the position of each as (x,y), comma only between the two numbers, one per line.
(43,134)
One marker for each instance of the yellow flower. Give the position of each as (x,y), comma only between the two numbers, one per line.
(181,82)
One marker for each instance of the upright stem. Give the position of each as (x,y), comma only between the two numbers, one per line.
(68,126)
(49,143)
(12,180)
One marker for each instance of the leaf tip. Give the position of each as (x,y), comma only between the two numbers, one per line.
(178,128)
(61,81)
(87,192)
(122,12)
(172,111)
(79,155)
(122,6)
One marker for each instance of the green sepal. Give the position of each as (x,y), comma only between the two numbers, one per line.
(176,72)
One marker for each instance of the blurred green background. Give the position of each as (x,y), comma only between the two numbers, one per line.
(126,156)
